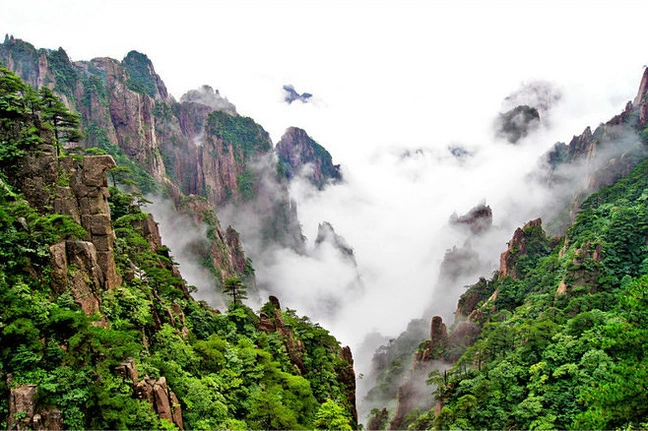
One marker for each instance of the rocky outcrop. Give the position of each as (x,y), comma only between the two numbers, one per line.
(599,157)
(517,123)
(164,401)
(326,234)
(222,246)
(131,115)
(210,99)
(38,172)
(478,220)
(346,375)
(85,199)
(75,270)
(275,323)
(517,247)
(291,95)
(25,415)
(301,155)
(154,391)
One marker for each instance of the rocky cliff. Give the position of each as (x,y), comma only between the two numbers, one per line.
(99,329)
(595,159)
(562,274)
(299,155)
(197,146)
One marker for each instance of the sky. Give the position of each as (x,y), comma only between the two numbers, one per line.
(394,84)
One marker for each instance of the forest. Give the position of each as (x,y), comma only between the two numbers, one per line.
(90,368)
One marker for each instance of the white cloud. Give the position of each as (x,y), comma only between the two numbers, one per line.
(389,77)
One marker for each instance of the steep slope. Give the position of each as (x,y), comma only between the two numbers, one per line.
(198,146)
(540,344)
(299,154)
(98,328)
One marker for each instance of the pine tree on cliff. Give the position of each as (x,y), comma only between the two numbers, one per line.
(66,124)
(235,288)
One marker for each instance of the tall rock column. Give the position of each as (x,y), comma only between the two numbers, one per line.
(86,200)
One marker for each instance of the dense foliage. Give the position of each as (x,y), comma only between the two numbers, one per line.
(226,369)
(563,344)
(140,78)
(242,134)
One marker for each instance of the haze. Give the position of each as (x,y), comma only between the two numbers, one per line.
(394,85)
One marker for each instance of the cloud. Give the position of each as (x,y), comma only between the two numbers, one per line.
(541,95)
(188,244)
(207,96)
(394,210)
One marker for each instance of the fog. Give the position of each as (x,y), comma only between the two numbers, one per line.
(406,97)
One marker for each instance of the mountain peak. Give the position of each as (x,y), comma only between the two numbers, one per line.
(301,155)
(207,96)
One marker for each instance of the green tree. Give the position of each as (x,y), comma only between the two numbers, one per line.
(331,416)
(65,123)
(11,94)
(122,175)
(235,288)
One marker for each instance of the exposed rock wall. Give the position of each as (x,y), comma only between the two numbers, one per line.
(300,154)
(517,247)
(24,415)
(85,199)
(154,391)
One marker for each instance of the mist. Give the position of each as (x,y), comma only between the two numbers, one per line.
(397,209)
(397,212)
(188,244)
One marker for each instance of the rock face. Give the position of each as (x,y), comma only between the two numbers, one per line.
(517,123)
(75,270)
(81,267)
(516,248)
(155,391)
(326,233)
(301,155)
(602,156)
(207,97)
(198,146)
(164,401)
(23,414)
(275,323)
(85,199)
(478,220)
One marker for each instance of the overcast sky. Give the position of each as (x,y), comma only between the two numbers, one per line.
(409,60)
(387,77)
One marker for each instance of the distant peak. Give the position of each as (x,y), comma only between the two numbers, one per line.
(291,95)
(207,96)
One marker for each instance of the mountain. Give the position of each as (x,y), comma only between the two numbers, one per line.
(299,155)
(555,338)
(99,329)
(198,147)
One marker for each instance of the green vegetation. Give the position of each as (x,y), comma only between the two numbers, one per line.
(64,71)
(568,359)
(139,68)
(65,124)
(96,136)
(17,105)
(227,370)
(242,134)
(235,288)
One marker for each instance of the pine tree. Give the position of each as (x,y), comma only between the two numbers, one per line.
(235,288)
(66,124)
